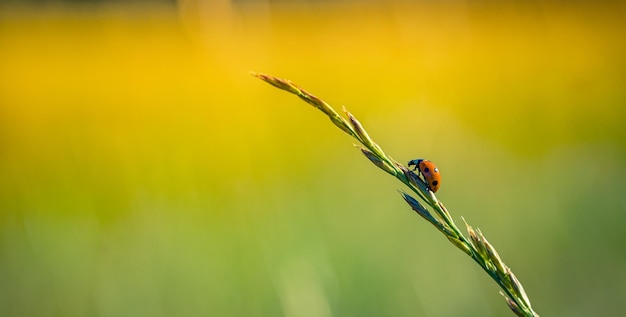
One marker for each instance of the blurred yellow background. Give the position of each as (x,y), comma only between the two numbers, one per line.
(145,173)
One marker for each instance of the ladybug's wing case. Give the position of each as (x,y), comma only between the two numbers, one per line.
(434,182)
(431,174)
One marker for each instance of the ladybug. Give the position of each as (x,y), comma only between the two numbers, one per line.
(430,172)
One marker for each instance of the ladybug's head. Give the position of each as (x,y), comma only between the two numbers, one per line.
(415,162)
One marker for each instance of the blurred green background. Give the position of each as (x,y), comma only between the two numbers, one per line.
(145,173)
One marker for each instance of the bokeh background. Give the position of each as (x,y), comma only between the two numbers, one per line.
(143,172)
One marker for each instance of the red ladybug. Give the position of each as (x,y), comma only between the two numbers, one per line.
(430,172)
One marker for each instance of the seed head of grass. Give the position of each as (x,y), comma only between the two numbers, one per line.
(431,209)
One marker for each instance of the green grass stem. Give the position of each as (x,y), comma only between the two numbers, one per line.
(477,246)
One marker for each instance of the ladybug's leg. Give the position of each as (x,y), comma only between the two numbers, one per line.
(414,162)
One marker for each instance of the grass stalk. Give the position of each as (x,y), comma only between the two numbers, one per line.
(477,246)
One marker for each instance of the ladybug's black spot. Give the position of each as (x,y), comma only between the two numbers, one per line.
(426,170)
(435,183)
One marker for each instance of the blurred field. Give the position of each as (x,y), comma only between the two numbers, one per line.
(145,173)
